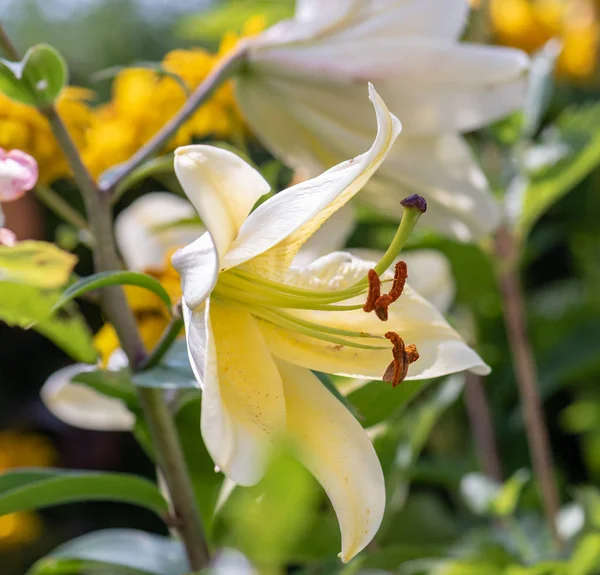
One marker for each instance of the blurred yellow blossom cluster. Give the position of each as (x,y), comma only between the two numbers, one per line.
(528,24)
(24,128)
(142,101)
(19,450)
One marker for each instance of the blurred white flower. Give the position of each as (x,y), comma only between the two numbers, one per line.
(303,93)
(256,325)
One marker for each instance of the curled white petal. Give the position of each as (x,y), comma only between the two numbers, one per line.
(81,406)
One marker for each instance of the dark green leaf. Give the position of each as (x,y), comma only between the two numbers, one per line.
(112,278)
(121,549)
(28,306)
(36,488)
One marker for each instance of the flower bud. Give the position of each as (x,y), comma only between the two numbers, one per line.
(18,174)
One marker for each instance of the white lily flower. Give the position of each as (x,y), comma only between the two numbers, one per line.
(302,93)
(255,326)
(146,235)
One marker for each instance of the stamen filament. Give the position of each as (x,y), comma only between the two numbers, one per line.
(236,294)
(342,294)
(281,321)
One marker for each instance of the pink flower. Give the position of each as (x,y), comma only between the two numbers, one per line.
(18,174)
(7,238)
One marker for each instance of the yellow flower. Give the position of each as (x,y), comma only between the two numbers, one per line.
(24,128)
(528,24)
(143,100)
(22,450)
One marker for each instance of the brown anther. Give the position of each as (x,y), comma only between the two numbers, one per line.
(403,357)
(384,301)
(374,291)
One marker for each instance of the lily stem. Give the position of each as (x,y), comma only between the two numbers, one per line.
(482,427)
(527,378)
(60,207)
(217,76)
(171,460)
(7,45)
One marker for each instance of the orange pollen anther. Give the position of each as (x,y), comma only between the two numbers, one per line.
(380,303)
(374,291)
(403,357)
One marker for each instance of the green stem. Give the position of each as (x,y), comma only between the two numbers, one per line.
(60,207)
(527,379)
(171,461)
(164,344)
(203,92)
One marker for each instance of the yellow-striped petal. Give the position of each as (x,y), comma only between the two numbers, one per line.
(243,407)
(338,452)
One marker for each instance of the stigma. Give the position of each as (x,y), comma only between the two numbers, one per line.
(404,355)
(378,302)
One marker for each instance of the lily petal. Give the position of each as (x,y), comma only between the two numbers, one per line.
(330,237)
(222,187)
(278,228)
(198,266)
(142,233)
(243,408)
(338,452)
(441,349)
(81,406)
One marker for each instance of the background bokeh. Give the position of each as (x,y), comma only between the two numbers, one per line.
(561,278)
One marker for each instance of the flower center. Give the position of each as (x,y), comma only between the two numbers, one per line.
(275,302)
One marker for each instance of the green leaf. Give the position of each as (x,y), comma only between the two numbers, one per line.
(376,401)
(230,16)
(37,488)
(112,383)
(28,306)
(40,264)
(580,130)
(38,79)
(173,372)
(112,278)
(586,557)
(505,502)
(120,549)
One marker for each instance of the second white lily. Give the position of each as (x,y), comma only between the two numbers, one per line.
(255,326)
